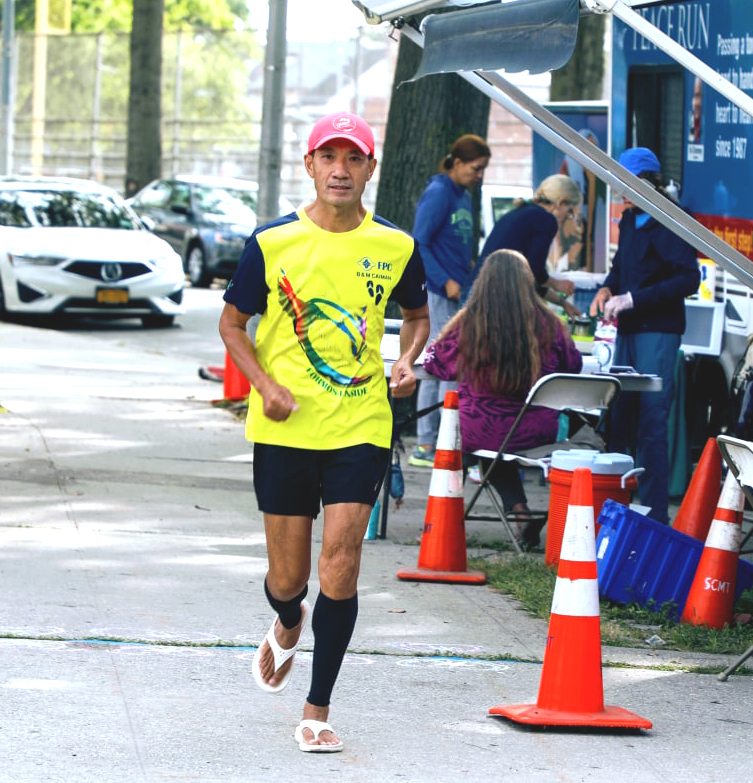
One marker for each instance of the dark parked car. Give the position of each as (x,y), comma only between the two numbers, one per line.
(206,219)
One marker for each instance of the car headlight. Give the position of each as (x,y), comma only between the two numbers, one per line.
(18,260)
(229,239)
(166,261)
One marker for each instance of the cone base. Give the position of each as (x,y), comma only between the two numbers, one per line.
(427,575)
(609,717)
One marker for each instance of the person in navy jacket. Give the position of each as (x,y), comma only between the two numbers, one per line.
(651,274)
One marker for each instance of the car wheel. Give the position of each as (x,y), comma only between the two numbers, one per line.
(157,321)
(196,267)
(3,312)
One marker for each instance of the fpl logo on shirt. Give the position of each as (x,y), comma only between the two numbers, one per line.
(374,266)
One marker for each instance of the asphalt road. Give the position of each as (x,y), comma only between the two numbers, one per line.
(193,335)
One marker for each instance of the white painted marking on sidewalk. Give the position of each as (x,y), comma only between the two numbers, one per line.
(303,657)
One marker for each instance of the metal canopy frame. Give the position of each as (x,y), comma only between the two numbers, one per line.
(587,154)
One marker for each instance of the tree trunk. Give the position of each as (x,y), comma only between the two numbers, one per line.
(424,120)
(582,78)
(144,142)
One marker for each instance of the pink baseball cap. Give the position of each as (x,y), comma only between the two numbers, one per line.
(342,125)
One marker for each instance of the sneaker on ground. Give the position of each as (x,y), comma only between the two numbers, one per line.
(474,474)
(422,458)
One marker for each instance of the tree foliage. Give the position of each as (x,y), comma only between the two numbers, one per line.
(115,15)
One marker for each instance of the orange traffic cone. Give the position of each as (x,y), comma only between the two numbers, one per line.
(571,691)
(442,556)
(712,593)
(235,385)
(697,508)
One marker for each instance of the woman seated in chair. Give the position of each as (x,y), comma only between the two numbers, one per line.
(497,347)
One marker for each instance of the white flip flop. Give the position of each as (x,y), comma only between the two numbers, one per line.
(316,727)
(280,655)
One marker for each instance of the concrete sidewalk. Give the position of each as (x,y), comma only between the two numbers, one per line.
(132,566)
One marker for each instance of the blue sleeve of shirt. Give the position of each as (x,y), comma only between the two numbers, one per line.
(248,289)
(612,280)
(410,291)
(431,217)
(537,254)
(680,276)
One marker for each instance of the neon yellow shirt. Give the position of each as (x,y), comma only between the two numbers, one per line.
(323,296)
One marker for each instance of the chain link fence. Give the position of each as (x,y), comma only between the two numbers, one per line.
(71,102)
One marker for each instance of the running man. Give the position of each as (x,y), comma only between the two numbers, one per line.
(319,414)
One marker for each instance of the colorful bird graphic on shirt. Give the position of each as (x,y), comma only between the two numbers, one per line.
(329,326)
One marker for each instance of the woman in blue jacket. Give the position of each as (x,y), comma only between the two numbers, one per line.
(652,273)
(443,228)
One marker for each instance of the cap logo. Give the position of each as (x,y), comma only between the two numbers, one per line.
(344,123)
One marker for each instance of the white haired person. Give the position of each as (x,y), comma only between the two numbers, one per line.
(530,228)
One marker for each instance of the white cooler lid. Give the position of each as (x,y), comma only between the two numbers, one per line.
(595,461)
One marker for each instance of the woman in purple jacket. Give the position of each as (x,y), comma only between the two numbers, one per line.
(497,347)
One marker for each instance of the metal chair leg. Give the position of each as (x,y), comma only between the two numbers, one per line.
(744,657)
(505,521)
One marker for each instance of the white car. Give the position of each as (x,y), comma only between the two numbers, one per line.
(71,246)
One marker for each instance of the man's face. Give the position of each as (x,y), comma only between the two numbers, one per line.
(340,172)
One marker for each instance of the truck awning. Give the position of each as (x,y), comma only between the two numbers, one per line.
(525,35)
(460,47)
(599,163)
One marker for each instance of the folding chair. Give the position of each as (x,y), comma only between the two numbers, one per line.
(738,454)
(582,394)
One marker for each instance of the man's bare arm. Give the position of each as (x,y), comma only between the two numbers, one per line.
(278,401)
(413,336)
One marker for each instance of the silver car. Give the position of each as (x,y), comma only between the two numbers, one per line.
(71,246)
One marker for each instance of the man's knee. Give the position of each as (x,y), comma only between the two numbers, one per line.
(285,585)
(338,569)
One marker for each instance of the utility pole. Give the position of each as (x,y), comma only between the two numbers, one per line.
(273,112)
(6,89)
(39,85)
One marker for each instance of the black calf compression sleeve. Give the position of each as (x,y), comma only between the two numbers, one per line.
(333,623)
(288,611)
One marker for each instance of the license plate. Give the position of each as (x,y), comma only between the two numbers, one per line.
(112,295)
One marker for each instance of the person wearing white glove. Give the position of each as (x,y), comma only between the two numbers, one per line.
(617,304)
(651,274)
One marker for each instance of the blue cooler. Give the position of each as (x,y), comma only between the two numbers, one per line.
(642,561)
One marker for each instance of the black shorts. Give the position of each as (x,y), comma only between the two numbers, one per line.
(293,482)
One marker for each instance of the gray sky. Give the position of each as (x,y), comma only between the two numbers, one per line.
(322,20)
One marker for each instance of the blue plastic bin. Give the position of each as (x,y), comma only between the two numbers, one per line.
(744,577)
(642,561)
